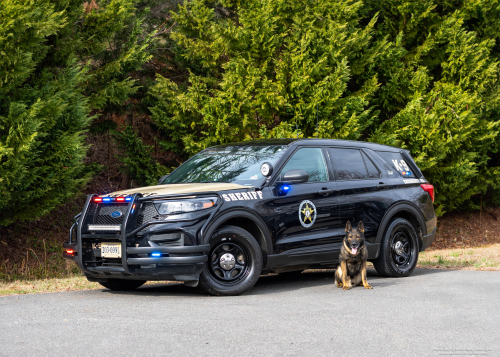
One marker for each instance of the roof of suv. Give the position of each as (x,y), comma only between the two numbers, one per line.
(313,142)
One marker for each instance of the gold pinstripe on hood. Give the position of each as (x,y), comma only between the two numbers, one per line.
(179,188)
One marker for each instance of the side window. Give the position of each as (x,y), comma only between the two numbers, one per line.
(350,165)
(396,162)
(310,160)
(370,167)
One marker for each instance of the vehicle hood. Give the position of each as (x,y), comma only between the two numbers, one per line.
(179,188)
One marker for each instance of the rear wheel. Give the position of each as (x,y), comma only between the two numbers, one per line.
(122,285)
(234,263)
(399,250)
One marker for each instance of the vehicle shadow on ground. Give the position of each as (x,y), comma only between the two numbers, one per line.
(272,283)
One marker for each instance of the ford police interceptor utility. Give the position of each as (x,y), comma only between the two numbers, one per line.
(233,212)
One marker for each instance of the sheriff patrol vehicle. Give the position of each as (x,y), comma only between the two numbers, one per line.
(234,212)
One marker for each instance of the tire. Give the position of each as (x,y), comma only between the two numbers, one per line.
(231,277)
(122,284)
(399,250)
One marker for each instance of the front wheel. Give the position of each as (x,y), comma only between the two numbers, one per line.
(398,251)
(122,284)
(234,263)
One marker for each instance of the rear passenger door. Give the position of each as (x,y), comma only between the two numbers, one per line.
(363,194)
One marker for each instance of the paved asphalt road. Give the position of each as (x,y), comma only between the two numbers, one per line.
(431,313)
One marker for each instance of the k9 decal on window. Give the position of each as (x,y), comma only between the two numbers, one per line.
(395,160)
(242,196)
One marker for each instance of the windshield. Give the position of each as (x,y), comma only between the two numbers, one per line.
(236,164)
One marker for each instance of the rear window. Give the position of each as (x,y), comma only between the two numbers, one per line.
(396,162)
(352,164)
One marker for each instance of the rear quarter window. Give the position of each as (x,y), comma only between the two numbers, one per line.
(395,162)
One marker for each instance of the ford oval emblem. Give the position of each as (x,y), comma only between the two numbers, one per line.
(116,214)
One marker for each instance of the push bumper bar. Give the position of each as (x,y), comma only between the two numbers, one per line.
(145,268)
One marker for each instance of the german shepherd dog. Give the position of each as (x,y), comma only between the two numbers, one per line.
(353,256)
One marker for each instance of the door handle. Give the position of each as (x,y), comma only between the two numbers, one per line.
(325,191)
(382,185)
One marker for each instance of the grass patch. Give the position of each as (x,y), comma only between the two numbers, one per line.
(46,285)
(484,258)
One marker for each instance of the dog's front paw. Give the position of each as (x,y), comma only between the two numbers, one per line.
(368,286)
(345,287)
(339,285)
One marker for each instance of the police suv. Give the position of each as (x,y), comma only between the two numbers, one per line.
(234,212)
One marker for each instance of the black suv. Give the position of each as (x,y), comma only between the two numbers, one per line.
(233,212)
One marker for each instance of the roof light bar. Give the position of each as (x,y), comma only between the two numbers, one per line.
(112,199)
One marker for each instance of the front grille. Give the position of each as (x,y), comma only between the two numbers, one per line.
(103,213)
(147,213)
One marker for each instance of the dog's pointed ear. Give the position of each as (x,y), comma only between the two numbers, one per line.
(348,227)
(361,227)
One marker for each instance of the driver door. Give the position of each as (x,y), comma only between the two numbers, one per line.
(307,217)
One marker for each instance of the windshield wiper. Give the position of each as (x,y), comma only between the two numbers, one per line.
(211,182)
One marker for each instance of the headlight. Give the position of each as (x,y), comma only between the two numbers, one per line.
(194,204)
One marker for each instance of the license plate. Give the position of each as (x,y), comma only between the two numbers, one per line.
(111,250)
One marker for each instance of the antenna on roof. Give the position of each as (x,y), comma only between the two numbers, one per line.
(297,129)
(317,120)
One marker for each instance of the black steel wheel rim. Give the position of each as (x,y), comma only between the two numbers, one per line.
(401,249)
(242,262)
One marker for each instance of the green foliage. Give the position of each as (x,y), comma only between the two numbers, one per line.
(137,158)
(439,97)
(422,75)
(58,61)
(419,75)
(277,61)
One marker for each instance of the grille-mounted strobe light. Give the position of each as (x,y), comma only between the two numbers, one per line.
(98,227)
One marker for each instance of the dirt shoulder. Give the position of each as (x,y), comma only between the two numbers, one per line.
(479,258)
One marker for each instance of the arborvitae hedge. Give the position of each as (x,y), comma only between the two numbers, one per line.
(58,61)
(422,75)
(419,75)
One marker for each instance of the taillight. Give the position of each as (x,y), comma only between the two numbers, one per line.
(70,251)
(429,189)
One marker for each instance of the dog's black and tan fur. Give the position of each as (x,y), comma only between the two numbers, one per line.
(353,256)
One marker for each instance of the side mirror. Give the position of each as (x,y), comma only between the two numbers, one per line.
(163,178)
(296,176)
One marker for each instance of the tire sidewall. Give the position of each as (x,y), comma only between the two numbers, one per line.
(233,234)
(399,224)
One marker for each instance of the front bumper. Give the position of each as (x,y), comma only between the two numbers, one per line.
(182,263)
(182,268)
